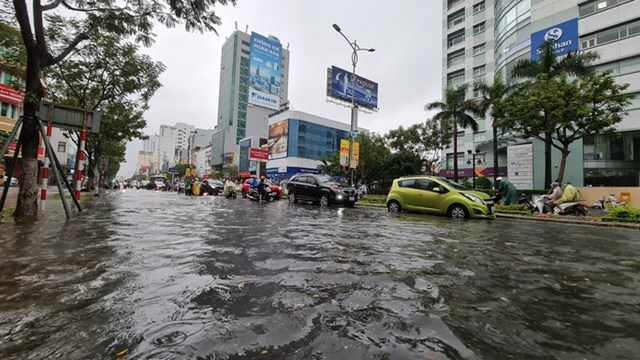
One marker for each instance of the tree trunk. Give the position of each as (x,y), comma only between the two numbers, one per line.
(455,151)
(495,152)
(547,158)
(563,163)
(27,205)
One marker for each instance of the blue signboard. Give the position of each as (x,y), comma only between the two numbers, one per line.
(173,171)
(265,68)
(564,37)
(340,85)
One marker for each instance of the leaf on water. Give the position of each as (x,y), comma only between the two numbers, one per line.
(627,262)
(510,244)
(122,353)
(241,286)
(264,352)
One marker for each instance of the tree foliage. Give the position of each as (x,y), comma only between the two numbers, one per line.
(123,19)
(456,111)
(572,109)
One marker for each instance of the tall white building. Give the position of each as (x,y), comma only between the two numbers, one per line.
(483,37)
(254,77)
(173,144)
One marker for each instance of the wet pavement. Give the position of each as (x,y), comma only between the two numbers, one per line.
(152,275)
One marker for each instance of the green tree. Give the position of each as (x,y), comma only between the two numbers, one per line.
(373,151)
(107,74)
(456,111)
(135,19)
(493,98)
(13,58)
(182,167)
(551,66)
(330,164)
(574,108)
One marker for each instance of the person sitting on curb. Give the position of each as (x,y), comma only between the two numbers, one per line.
(569,194)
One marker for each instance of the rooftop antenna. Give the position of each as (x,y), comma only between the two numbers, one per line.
(247,29)
(287,46)
(236,25)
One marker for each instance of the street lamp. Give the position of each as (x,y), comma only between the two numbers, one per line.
(473,162)
(354,108)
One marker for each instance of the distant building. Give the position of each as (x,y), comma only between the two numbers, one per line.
(199,139)
(250,90)
(173,144)
(298,140)
(481,38)
(202,160)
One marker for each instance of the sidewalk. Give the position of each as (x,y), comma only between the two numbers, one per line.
(12,195)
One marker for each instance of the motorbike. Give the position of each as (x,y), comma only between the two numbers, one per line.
(231,193)
(575,208)
(267,194)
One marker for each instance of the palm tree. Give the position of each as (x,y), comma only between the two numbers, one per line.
(492,99)
(548,64)
(456,109)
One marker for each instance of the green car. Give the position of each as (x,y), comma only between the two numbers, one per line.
(438,195)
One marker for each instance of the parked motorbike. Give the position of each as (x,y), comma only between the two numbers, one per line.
(267,194)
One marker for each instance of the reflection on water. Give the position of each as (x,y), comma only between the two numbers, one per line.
(160,276)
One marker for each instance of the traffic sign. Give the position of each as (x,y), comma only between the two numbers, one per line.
(173,171)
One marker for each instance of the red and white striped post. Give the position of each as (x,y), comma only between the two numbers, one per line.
(83,138)
(45,171)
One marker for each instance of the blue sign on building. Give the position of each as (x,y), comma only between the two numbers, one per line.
(564,37)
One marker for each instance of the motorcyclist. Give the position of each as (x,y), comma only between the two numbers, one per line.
(545,202)
(569,194)
(229,186)
(507,191)
(260,187)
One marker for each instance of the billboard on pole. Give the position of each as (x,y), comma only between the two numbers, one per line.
(342,85)
(265,68)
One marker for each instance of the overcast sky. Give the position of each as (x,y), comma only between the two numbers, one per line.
(406,64)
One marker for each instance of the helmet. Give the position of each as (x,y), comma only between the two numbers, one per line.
(499,178)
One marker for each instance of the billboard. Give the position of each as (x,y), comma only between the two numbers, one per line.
(265,68)
(278,139)
(258,154)
(341,85)
(11,95)
(564,37)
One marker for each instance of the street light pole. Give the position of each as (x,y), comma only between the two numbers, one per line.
(354,107)
(473,161)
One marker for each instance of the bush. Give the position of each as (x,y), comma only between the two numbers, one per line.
(514,209)
(623,214)
(483,183)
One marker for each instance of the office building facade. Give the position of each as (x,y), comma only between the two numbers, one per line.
(482,38)
(298,140)
(254,77)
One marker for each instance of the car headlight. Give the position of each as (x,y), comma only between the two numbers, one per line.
(474,198)
(337,190)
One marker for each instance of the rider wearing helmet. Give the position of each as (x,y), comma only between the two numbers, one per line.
(569,194)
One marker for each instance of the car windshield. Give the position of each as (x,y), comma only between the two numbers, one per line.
(325,179)
(158,179)
(454,185)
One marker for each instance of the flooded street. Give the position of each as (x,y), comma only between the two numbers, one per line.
(152,275)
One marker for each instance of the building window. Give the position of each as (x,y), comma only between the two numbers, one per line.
(455,58)
(62,146)
(453,3)
(478,71)
(478,28)
(594,6)
(456,18)
(455,78)
(478,49)
(610,35)
(478,7)
(455,38)
(246,43)
(477,93)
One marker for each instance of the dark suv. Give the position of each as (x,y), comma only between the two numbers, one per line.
(320,188)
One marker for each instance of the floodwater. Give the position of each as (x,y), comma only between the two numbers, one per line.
(152,275)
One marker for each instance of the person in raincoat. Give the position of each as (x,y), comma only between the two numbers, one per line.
(569,194)
(196,187)
(188,184)
(507,190)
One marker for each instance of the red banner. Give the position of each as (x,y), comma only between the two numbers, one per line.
(14,144)
(258,154)
(11,95)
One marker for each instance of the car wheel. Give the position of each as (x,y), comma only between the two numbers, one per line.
(292,197)
(324,200)
(394,206)
(458,211)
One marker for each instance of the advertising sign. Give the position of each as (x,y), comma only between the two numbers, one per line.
(564,37)
(265,68)
(344,153)
(11,95)
(258,154)
(278,139)
(520,166)
(341,85)
(356,155)
(70,117)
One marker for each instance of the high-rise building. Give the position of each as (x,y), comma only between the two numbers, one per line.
(483,37)
(173,144)
(254,77)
